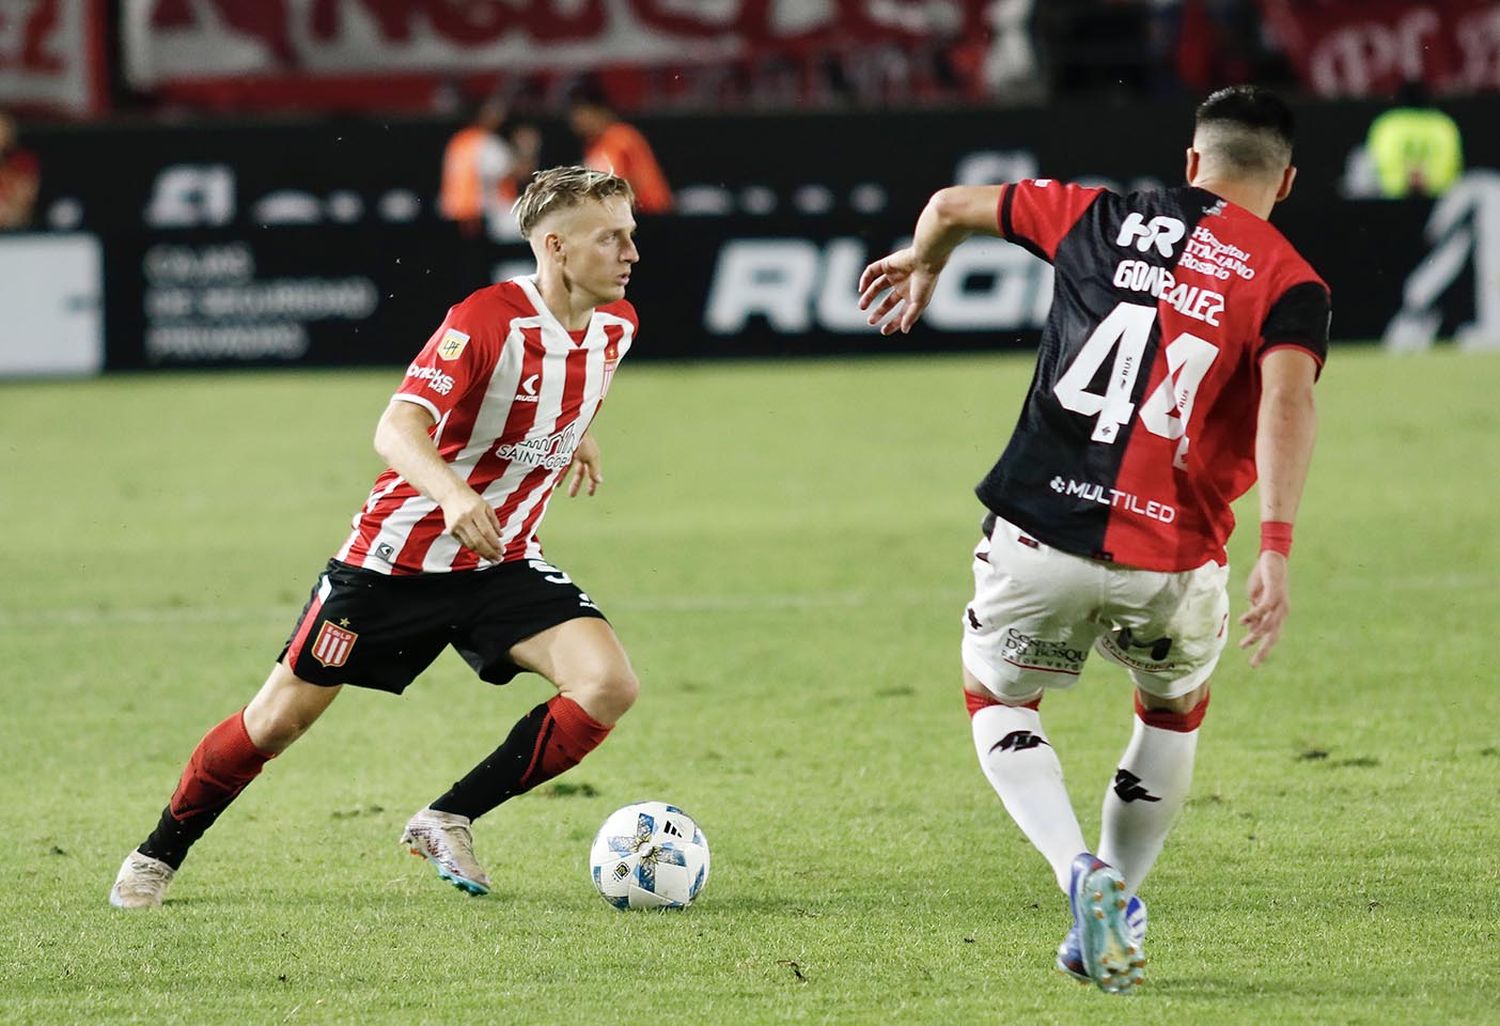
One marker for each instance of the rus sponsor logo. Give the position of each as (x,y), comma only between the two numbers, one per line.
(436,380)
(1114,498)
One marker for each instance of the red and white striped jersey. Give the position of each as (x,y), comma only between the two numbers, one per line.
(513,392)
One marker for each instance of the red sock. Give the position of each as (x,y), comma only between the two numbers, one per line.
(1165,719)
(567,735)
(224,762)
(978,702)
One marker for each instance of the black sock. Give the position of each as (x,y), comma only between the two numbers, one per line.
(172,837)
(503,773)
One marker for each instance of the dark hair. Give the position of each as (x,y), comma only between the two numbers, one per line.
(1248,127)
(1250,106)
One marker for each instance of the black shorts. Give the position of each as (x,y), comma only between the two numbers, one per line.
(377,631)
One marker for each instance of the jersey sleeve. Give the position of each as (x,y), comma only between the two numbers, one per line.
(460,354)
(1037,213)
(1300,318)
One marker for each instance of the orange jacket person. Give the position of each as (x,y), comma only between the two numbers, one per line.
(475,165)
(612,146)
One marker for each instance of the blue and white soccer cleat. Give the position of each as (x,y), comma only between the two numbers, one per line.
(1107,943)
(444,839)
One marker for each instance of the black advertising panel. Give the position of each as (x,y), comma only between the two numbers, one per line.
(317,243)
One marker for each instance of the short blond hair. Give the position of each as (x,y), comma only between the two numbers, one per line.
(558,188)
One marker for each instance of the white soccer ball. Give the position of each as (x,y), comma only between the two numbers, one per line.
(649,855)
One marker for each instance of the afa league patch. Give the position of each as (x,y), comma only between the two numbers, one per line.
(333,645)
(453,344)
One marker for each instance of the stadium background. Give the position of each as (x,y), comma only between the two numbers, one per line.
(235,250)
(241,183)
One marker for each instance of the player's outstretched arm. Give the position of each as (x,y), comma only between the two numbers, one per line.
(402,440)
(952,215)
(1286,428)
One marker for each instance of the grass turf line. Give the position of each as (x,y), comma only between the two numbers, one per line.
(784,549)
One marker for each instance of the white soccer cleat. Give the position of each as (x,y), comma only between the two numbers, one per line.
(444,839)
(142,882)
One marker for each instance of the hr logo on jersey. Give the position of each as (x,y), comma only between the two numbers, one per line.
(553,452)
(1161,231)
(1114,498)
(436,380)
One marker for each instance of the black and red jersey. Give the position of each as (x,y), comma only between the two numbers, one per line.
(1139,429)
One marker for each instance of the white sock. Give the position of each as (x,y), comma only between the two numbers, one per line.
(1023,769)
(1148,791)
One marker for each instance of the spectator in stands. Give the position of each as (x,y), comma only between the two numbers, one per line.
(483,174)
(19,178)
(1416,148)
(611,145)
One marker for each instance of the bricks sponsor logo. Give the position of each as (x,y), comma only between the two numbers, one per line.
(436,380)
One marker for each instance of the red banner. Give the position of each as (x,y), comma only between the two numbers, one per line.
(1369,47)
(375,49)
(51,56)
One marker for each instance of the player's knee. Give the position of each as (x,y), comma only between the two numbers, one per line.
(283,710)
(274,728)
(606,692)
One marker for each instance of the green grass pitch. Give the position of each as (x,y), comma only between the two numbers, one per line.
(785,550)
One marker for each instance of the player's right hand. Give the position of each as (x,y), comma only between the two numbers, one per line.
(909,283)
(472,521)
(1269,605)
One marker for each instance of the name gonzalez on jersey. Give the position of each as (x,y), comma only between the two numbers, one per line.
(1163,233)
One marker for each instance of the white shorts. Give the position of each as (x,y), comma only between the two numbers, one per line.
(1037,611)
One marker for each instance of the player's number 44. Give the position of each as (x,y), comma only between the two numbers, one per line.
(1165,412)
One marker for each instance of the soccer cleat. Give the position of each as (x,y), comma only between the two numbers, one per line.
(444,839)
(1070,951)
(142,882)
(1107,943)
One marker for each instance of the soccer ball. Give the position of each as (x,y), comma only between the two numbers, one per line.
(649,855)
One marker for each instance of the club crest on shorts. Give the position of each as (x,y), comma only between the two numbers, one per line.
(333,645)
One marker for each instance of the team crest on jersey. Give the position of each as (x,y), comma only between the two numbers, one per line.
(611,355)
(453,344)
(333,645)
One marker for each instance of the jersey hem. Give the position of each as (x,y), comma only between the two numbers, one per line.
(1046,537)
(427,404)
(1270,347)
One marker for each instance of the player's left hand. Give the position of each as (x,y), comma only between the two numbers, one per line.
(1269,605)
(585,465)
(909,281)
